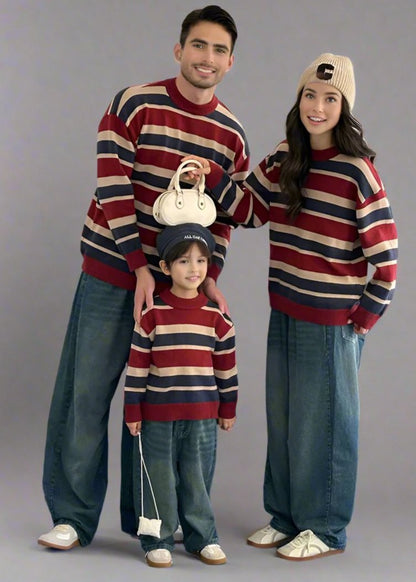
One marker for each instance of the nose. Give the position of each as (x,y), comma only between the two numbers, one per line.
(318,105)
(209,54)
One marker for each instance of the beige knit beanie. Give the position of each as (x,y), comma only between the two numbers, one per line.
(334,70)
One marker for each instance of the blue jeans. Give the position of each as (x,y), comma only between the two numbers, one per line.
(312,407)
(94,355)
(180,457)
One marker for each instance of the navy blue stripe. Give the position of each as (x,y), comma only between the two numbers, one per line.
(114,190)
(329,209)
(174,380)
(379,214)
(187,339)
(314,246)
(312,301)
(177,397)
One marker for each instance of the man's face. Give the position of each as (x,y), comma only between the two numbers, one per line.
(206,55)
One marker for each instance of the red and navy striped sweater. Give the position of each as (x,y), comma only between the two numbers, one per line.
(318,264)
(142,137)
(182,362)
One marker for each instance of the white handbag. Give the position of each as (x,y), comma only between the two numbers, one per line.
(178,206)
(147,526)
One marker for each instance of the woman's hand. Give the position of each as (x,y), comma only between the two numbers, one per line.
(196,174)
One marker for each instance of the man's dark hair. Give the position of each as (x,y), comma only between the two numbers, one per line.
(211,13)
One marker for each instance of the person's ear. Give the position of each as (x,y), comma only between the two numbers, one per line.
(177,52)
(164,267)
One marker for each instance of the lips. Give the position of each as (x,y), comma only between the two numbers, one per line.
(316,119)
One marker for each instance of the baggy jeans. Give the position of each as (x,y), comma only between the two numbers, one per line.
(312,408)
(94,355)
(180,457)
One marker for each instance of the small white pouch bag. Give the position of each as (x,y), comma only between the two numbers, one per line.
(147,526)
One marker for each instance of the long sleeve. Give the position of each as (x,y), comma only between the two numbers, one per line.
(137,373)
(116,152)
(378,237)
(225,369)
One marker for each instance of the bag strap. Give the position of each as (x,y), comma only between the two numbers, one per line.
(183,168)
(143,466)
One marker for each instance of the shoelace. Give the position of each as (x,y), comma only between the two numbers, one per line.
(62,527)
(303,539)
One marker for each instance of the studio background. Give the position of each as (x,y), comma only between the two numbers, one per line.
(61,63)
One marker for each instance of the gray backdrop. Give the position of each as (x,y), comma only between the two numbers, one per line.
(61,63)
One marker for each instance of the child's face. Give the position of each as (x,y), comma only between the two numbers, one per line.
(188,272)
(320,110)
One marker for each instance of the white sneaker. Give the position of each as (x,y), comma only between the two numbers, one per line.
(159,558)
(267,537)
(61,537)
(306,546)
(178,535)
(212,555)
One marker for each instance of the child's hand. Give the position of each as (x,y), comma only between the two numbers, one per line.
(134,427)
(227,423)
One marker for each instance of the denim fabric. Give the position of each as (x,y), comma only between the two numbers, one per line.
(94,355)
(312,407)
(180,457)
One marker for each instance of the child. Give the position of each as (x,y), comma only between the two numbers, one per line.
(181,380)
(329,217)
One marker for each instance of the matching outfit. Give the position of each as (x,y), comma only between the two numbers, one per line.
(317,284)
(181,377)
(142,137)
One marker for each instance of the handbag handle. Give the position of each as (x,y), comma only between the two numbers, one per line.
(143,466)
(183,168)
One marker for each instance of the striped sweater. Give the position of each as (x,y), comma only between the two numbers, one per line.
(142,137)
(182,362)
(318,264)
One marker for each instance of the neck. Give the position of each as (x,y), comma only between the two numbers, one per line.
(184,293)
(196,95)
(322,142)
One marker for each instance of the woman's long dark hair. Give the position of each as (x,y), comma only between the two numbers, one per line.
(348,138)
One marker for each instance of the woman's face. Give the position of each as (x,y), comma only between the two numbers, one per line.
(320,110)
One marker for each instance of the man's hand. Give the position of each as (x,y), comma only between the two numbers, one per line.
(211,290)
(145,286)
(134,427)
(226,423)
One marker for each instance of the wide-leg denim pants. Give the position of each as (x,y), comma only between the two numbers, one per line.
(94,355)
(180,457)
(312,407)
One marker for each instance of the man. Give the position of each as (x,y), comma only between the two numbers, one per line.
(142,137)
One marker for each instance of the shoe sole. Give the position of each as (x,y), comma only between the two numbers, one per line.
(212,562)
(300,559)
(57,546)
(158,564)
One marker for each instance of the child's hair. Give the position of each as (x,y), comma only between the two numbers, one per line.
(211,13)
(349,140)
(181,248)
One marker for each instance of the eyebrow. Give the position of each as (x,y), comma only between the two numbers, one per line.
(216,45)
(326,92)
